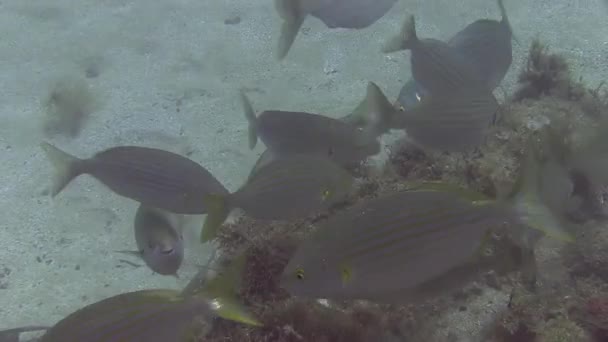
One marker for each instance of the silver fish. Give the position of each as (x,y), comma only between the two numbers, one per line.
(304,133)
(353,14)
(153,177)
(160,244)
(436,66)
(289,187)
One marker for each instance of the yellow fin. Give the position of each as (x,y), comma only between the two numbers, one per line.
(220,292)
(217,212)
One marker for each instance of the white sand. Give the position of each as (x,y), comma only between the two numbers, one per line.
(155,54)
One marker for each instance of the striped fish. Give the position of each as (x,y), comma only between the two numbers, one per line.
(436,66)
(288,187)
(453,121)
(420,242)
(158,315)
(383,245)
(286,133)
(153,177)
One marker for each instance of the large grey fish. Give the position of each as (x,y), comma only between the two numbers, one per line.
(286,188)
(153,177)
(406,243)
(454,121)
(436,66)
(296,133)
(486,43)
(159,242)
(12,335)
(157,315)
(352,14)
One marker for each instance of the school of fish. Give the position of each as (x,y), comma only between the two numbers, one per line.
(396,248)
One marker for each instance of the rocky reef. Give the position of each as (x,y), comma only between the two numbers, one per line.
(570,301)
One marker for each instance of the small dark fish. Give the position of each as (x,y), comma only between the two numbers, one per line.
(12,335)
(436,66)
(304,133)
(487,44)
(352,14)
(160,244)
(157,315)
(288,187)
(153,177)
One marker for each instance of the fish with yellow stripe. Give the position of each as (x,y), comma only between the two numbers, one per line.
(156,315)
(433,237)
(286,188)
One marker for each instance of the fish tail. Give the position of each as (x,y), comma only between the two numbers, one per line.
(217,212)
(380,109)
(527,201)
(406,38)
(251,118)
(67,167)
(505,19)
(222,290)
(292,21)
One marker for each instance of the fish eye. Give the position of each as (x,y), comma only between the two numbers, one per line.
(166,251)
(401,108)
(300,273)
(326,194)
(488,252)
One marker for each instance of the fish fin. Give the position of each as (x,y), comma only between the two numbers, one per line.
(66,167)
(505,20)
(221,293)
(406,38)
(217,212)
(251,119)
(527,201)
(379,108)
(292,21)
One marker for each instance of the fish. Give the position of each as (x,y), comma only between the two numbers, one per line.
(286,132)
(438,67)
(411,243)
(289,187)
(12,335)
(350,14)
(266,157)
(159,243)
(153,315)
(153,177)
(454,122)
(487,43)
(374,113)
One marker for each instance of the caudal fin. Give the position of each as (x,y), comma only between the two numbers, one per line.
(406,38)
(251,119)
(380,111)
(66,167)
(221,291)
(292,21)
(505,20)
(217,212)
(528,202)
